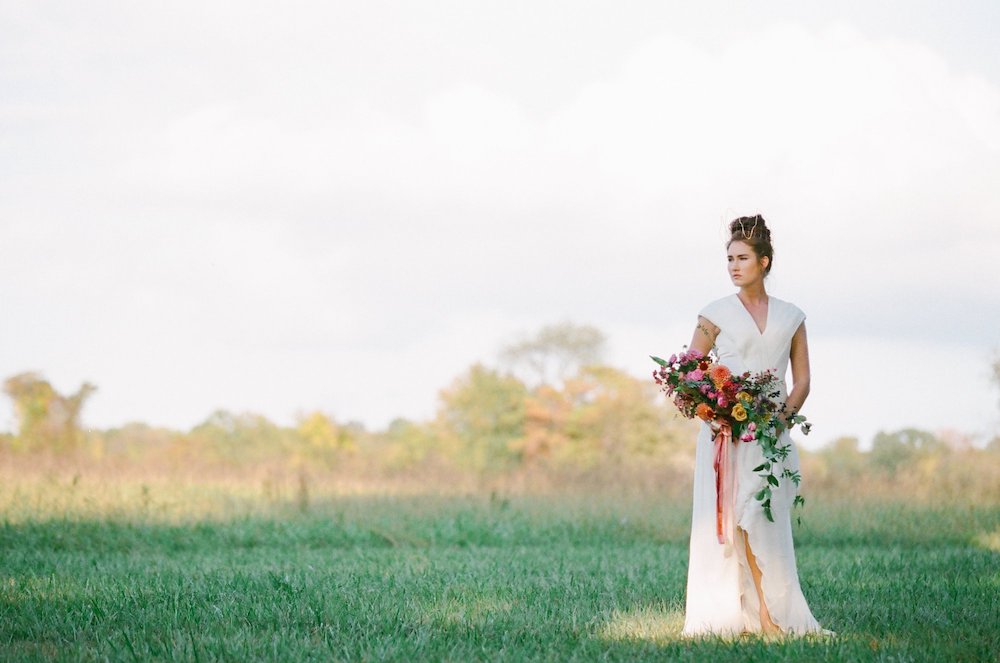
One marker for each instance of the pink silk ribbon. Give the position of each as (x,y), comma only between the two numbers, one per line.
(725,487)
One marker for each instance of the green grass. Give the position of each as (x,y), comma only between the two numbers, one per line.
(456,578)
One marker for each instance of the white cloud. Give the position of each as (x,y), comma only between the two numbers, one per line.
(249,227)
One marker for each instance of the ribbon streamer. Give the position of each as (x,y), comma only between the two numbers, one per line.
(725,487)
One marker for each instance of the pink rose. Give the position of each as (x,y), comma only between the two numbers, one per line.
(695,375)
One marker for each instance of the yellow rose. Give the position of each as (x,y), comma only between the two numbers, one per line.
(744,396)
(739,412)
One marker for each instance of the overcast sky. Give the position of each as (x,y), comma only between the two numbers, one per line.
(341,206)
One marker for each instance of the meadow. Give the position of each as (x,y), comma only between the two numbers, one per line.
(116,566)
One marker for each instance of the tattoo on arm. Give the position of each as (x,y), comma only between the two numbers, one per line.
(705,330)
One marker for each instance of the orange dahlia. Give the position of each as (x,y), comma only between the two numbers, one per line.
(719,375)
(703,411)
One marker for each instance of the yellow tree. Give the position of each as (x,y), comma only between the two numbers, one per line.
(321,433)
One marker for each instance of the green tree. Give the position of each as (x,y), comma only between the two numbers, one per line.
(843,458)
(241,438)
(483,411)
(46,419)
(904,447)
(409,443)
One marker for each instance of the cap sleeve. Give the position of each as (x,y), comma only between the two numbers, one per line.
(798,316)
(712,312)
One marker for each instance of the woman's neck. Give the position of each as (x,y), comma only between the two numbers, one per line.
(753,294)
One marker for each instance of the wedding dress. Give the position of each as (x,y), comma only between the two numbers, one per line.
(721,595)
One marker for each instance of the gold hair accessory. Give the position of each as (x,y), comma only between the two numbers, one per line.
(743,230)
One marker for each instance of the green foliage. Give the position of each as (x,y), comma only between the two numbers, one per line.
(47,420)
(904,447)
(843,456)
(240,439)
(408,444)
(484,411)
(575,418)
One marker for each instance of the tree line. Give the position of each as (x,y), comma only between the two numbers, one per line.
(551,405)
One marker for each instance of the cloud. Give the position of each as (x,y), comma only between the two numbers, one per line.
(276,225)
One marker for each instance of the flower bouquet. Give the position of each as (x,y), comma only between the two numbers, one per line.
(738,408)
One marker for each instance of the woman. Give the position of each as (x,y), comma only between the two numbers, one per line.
(749,584)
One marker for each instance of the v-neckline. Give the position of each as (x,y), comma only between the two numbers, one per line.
(767,318)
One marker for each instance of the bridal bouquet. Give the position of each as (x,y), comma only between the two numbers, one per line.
(742,405)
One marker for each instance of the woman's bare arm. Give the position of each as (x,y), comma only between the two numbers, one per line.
(800,374)
(705,334)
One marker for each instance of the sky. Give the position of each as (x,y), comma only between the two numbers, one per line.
(300,206)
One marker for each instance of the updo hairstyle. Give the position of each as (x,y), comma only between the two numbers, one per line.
(753,230)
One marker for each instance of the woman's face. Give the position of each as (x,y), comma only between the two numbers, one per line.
(744,267)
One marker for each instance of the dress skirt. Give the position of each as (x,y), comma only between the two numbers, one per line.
(721,597)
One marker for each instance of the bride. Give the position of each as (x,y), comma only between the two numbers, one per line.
(748,583)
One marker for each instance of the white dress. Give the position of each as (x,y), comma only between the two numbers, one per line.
(721,596)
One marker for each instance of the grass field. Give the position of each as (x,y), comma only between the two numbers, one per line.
(130,570)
